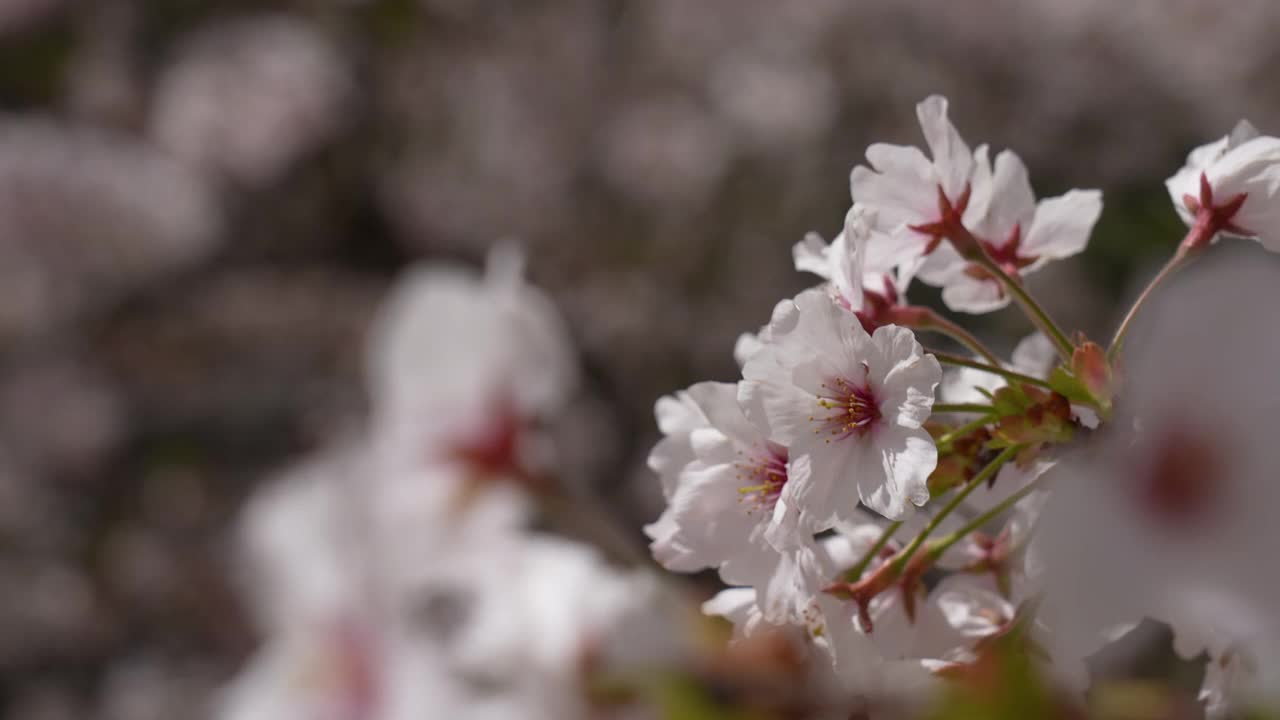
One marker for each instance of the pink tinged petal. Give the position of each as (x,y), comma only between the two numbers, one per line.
(1034,355)
(784,317)
(784,591)
(910,402)
(980,188)
(745,346)
(1062,225)
(887,251)
(803,496)
(890,346)
(719,404)
(903,191)
(677,413)
(786,529)
(715,521)
(1185,183)
(941,265)
(810,255)
(909,457)
(972,295)
(733,604)
(780,409)
(850,253)
(1243,132)
(1251,169)
(1012,200)
(951,156)
(824,332)
(666,547)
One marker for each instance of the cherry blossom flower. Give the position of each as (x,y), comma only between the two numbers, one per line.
(908,190)
(724,494)
(1017,233)
(783,316)
(1231,186)
(331,670)
(300,543)
(1034,355)
(866,663)
(1180,493)
(849,406)
(462,366)
(866,270)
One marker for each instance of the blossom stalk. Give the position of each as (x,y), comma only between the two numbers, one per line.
(978,480)
(855,572)
(1012,375)
(943,544)
(931,320)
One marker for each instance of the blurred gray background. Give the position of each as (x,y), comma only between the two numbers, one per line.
(201,204)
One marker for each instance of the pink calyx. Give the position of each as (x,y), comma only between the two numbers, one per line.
(1211,218)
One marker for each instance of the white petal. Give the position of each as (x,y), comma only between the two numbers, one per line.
(1062,224)
(810,255)
(951,156)
(1012,201)
(964,293)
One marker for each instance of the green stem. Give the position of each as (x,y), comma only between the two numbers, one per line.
(977,523)
(855,572)
(1037,314)
(962,408)
(983,476)
(965,429)
(950,359)
(1175,263)
(938,323)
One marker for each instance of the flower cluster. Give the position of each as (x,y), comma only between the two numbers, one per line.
(397,575)
(904,527)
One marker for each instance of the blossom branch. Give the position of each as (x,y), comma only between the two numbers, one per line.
(1210,219)
(959,432)
(856,571)
(1177,262)
(1012,375)
(951,226)
(983,476)
(931,320)
(962,408)
(1037,314)
(943,544)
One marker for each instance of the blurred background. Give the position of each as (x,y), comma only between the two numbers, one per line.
(202,203)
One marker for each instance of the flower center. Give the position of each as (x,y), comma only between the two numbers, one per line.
(845,408)
(1181,483)
(1007,255)
(763,475)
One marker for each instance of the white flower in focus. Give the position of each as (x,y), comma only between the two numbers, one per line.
(905,188)
(822,623)
(724,497)
(866,270)
(972,612)
(1233,185)
(460,366)
(784,315)
(848,405)
(1017,233)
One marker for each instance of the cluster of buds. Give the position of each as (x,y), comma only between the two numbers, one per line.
(922,527)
